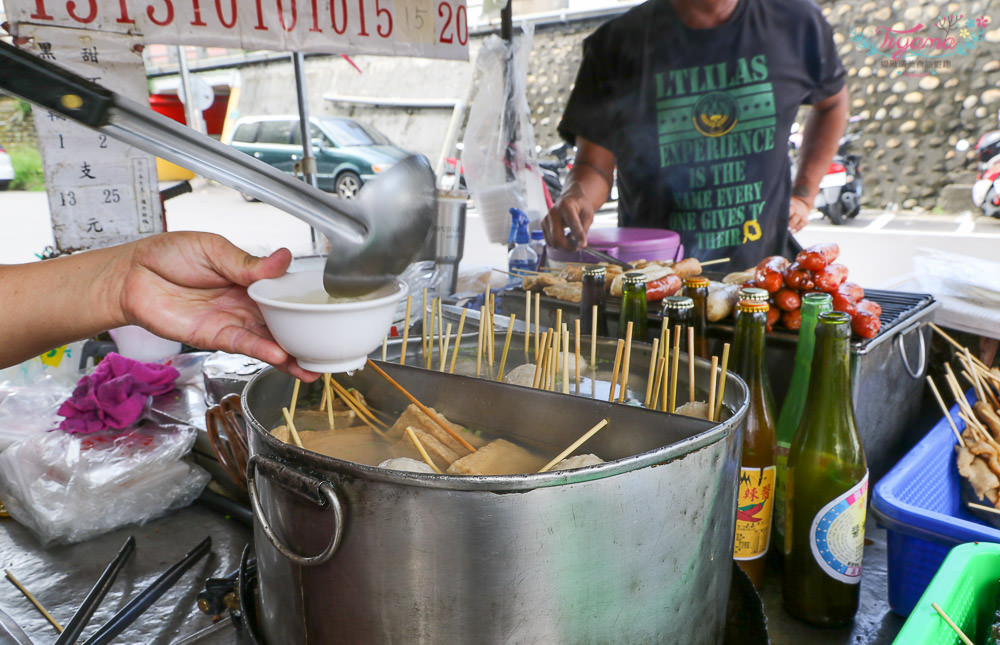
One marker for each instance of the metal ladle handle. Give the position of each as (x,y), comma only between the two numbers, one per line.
(304,486)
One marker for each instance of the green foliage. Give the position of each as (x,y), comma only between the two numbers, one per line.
(24,108)
(27,163)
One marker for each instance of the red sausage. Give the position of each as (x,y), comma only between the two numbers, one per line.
(870,306)
(773,314)
(842,302)
(769,273)
(831,277)
(852,291)
(660,288)
(818,256)
(798,278)
(792,319)
(865,324)
(787,300)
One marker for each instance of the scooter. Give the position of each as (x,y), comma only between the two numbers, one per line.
(986,190)
(839,196)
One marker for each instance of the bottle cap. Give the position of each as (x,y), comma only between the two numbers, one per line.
(537,235)
(754,294)
(696,281)
(594,270)
(678,302)
(753,307)
(634,277)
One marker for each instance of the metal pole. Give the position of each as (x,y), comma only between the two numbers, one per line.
(194,118)
(308,158)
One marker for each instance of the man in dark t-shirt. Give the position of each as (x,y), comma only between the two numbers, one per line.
(692,101)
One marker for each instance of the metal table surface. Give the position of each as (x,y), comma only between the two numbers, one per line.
(60,576)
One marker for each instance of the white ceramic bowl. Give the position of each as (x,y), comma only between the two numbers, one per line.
(322,333)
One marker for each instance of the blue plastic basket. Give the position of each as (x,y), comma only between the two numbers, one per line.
(919,503)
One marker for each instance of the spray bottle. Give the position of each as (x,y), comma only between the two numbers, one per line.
(522,257)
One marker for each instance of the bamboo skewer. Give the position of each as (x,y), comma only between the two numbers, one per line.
(360,409)
(385,347)
(406,330)
(423,327)
(593,337)
(291,428)
(691,364)
(982,507)
(715,261)
(576,334)
(947,413)
(665,381)
(565,371)
(492,329)
(955,343)
(423,408)
(329,399)
(295,396)
(656,383)
(458,340)
(675,371)
(711,387)
(506,346)
(27,594)
(722,382)
(653,355)
(539,358)
(538,326)
(441,335)
(961,634)
(420,448)
(576,444)
(626,367)
(527,326)
(556,340)
(444,349)
(559,326)
(429,343)
(975,377)
(614,372)
(482,335)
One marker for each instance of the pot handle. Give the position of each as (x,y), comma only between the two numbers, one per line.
(319,492)
(922,363)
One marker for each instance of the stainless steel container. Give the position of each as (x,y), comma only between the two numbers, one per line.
(635,550)
(447,244)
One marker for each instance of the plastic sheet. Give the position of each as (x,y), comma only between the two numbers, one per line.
(68,488)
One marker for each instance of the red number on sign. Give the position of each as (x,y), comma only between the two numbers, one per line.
(281,16)
(382,12)
(260,26)
(40,13)
(124,18)
(443,8)
(170,13)
(315,25)
(462,25)
(71,8)
(196,6)
(341,28)
(361,14)
(218,12)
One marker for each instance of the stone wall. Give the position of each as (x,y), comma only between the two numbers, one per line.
(16,126)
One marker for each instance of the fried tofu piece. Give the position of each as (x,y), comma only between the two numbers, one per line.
(439,453)
(539,281)
(498,457)
(414,416)
(565,291)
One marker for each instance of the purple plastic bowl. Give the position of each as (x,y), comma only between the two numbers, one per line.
(628,244)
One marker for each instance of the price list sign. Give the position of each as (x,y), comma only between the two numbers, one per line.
(425,28)
(101,191)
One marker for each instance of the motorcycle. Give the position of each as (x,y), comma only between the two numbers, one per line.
(555,162)
(986,190)
(840,189)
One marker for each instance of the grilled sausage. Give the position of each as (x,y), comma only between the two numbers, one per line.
(799,278)
(660,288)
(852,291)
(842,302)
(865,324)
(769,273)
(787,300)
(773,315)
(831,277)
(818,256)
(792,319)
(871,307)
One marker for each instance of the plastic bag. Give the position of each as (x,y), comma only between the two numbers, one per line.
(498,151)
(68,488)
(959,276)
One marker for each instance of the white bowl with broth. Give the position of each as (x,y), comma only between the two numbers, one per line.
(324,333)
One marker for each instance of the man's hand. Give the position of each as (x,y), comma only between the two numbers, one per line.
(587,187)
(798,214)
(192,287)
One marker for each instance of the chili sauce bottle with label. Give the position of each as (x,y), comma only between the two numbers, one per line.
(813,304)
(755,501)
(827,489)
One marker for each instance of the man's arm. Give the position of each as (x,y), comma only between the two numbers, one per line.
(587,188)
(824,127)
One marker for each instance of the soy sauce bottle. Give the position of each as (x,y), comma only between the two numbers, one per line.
(634,306)
(696,288)
(827,489)
(755,501)
(594,278)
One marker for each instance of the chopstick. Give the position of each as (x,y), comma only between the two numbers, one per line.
(96,595)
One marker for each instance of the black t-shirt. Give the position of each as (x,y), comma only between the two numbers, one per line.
(698,119)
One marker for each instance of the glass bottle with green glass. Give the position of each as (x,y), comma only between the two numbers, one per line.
(827,489)
(593,295)
(634,306)
(696,288)
(813,304)
(755,501)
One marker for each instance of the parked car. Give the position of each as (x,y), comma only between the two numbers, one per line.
(6,169)
(348,153)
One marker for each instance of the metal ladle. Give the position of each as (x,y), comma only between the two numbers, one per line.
(372,239)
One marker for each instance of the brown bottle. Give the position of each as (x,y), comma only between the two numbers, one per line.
(755,501)
(696,288)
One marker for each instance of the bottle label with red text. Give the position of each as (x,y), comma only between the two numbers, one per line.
(837,534)
(754,507)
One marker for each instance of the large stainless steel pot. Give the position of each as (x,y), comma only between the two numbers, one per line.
(636,550)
